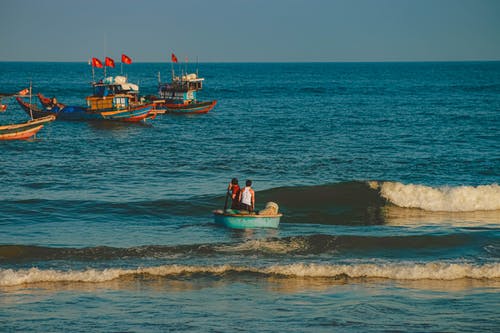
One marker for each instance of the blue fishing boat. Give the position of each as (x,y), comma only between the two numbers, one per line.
(239,219)
(112,99)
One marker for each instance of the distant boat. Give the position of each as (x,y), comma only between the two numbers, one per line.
(236,219)
(23,131)
(113,99)
(180,96)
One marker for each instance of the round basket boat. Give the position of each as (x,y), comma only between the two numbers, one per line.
(246,221)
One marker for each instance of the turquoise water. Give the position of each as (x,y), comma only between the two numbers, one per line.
(386,173)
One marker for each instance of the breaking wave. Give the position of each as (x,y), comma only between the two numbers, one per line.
(403,271)
(446,198)
(345,203)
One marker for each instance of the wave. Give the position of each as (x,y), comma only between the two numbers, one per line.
(446,198)
(321,244)
(349,203)
(367,203)
(19,253)
(296,245)
(485,88)
(314,90)
(392,271)
(346,203)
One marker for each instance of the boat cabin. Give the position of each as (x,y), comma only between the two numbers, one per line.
(110,102)
(181,88)
(113,93)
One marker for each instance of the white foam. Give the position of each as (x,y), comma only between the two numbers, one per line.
(449,199)
(397,271)
(265,245)
(409,271)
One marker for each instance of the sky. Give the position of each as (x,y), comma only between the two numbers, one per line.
(251,30)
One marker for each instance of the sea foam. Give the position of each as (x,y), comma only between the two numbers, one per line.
(395,271)
(450,199)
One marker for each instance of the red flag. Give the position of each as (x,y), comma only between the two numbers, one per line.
(109,62)
(96,63)
(126,59)
(174,58)
(24,91)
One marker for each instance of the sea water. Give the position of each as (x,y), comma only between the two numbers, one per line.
(387,175)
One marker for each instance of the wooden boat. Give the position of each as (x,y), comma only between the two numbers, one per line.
(25,130)
(235,220)
(113,99)
(179,96)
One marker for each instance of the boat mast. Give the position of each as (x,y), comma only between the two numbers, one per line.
(104,56)
(93,72)
(173,73)
(31,110)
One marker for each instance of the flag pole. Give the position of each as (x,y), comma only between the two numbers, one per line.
(93,71)
(105,55)
(172,64)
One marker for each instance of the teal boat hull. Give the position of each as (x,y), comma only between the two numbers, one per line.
(240,221)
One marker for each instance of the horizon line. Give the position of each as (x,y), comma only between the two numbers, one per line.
(263,62)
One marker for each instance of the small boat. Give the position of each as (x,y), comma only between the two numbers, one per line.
(235,219)
(179,96)
(113,99)
(24,130)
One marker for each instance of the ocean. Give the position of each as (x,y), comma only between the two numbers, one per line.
(387,175)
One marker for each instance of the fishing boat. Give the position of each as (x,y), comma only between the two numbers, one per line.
(236,219)
(113,99)
(180,96)
(23,131)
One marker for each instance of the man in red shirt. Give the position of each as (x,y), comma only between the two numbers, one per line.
(234,188)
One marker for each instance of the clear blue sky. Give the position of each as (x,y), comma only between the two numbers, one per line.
(250,31)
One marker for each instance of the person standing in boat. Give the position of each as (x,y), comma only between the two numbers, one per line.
(234,188)
(247,197)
